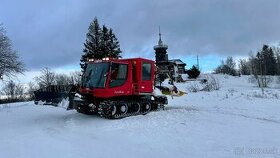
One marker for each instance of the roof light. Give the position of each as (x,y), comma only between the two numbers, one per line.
(106,58)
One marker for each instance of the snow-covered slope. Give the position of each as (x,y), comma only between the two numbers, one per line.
(236,121)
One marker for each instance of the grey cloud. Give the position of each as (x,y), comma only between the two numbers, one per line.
(51,33)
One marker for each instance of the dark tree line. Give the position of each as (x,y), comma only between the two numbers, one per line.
(100,43)
(265,62)
(49,77)
(262,65)
(13,91)
(227,67)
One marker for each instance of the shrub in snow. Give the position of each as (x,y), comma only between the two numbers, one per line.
(211,84)
(267,94)
(194,87)
(261,80)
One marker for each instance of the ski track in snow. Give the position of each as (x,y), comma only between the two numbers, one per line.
(204,124)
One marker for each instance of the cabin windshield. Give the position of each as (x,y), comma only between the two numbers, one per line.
(95,75)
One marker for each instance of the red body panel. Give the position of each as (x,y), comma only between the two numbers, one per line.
(135,84)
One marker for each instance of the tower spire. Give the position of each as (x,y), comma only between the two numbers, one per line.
(160,41)
(161,53)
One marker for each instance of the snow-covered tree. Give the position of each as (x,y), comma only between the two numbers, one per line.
(10,63)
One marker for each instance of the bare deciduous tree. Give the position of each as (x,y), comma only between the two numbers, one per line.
(259,71)
(19,92)
(49,77)
(30,91)
(76,77)
(62,79)
(244,67)
(9,89)
(10,63)
(13,91)
(46,78)
(277,53)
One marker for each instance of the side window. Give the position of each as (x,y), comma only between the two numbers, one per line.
(118,74)
(146,71)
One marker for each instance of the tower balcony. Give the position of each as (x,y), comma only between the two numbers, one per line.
(162,46)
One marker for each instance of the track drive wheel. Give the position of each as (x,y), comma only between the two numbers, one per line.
(107,109)
(146,108)
(123,108)
(136,107)
(111,111)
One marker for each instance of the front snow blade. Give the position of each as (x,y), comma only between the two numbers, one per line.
(56,95)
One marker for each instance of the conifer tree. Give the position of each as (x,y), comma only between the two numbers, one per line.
(105,41)
(100,43)
(193,72)
(114,50)
(269,60)
(92,44)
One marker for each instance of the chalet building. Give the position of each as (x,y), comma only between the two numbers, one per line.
(180,65)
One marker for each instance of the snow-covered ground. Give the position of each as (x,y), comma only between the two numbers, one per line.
(236,121)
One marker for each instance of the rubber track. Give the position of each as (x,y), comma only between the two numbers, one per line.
(118,116)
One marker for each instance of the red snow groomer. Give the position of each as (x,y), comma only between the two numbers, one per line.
(116,88)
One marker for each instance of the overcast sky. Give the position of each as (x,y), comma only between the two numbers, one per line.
(51,33)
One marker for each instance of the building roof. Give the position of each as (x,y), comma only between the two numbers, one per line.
(177,62)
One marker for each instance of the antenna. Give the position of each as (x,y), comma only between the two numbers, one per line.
(197,61)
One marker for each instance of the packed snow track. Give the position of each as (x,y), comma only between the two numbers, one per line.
(232,122)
